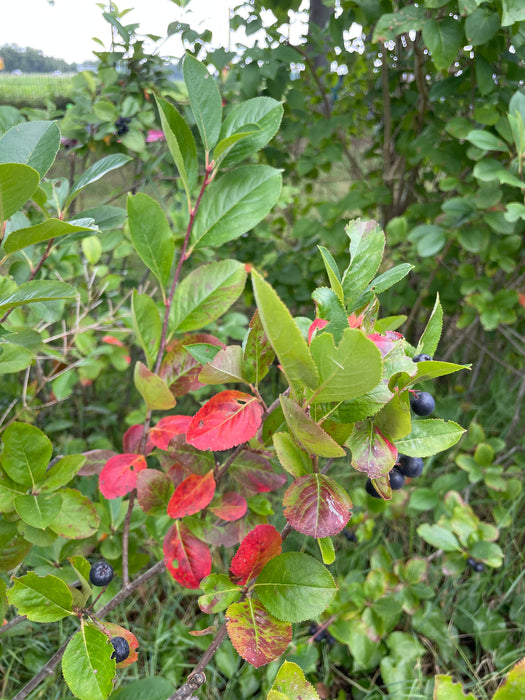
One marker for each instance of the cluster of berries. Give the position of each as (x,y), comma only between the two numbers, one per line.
(101,574)
(320,635)
(122,125)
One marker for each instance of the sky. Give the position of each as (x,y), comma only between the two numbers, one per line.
(65,30)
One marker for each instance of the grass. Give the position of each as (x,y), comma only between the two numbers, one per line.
(35,89)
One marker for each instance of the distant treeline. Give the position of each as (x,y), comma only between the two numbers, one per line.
(30,60)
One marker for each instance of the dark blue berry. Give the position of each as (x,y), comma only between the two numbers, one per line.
(370,489)
(422,403)
(421,357)
(121,649)
(411,467)
(101,573)
(476,566)
(350,536)
(396,478)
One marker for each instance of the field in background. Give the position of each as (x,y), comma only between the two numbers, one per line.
(35,89)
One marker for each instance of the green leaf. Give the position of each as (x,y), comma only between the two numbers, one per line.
(430,369)
(27,452)
(333,272)
(347,371)
(390,25)
(430,337)
(147,324)
(225,367)
(383,282)
(314,439)
(14,358)
(78,518)
(62,471)
(202,352)
(87,664)
(439,537)
(488,552)
(96,171)
(153,389)
(486,141)
(36,291)
(428,437)
(447,689)
(41,599)
(17,184)
(8,490)
(151,235)
(45,231)
(291,684)
(513,686)
(205,100)
(224,146)
(206,294)
(33,143)
(292,457)
(367,242)
(326,547)
(295,587)
(151,688)
(443,39)
(513,11)
(264,112)
(330,308)
(429,239)
(481,26)
(219,593)
(285,337)
(181,144)
(38,511)
(234,204)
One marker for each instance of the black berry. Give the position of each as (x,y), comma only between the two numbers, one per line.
(121,649)
(422,403)
(411,467)
(101,573)
(396,478)
(422,357)
(321,635)
(370,489)
(350,536)
(476,566)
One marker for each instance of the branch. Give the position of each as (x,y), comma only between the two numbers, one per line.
(197,677)
(125,539)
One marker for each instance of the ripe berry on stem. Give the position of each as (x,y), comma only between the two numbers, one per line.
(101,574)
(411,467)
(421,357)
(476,566)
(396,478)
(422,403)
(121,649)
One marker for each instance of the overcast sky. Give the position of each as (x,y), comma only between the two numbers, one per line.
(65,30)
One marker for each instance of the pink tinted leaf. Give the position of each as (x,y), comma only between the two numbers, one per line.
(229,506)
(192,495)
(256,635)
(167,428)
(372,452)
(317,506)
(254,472)
(119,475)
(187,558)
(228,419)
(257,548)
(318,323)
(95,460)
(132,438)
(154,489)
(385,342)
(179,369)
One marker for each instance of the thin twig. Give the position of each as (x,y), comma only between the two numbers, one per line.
(125,540)
(12,623)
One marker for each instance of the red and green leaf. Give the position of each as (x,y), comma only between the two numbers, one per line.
(226,420)
(257,548)
(254,472)
(317,506)
(132,439)
(219,593)
(256,635)
(192,495)
(229,506)
(372,452)
(153,389)
(118,631)
(258,352)
(313,438)
(179,369)
(167,428)
(154,490)
(119,475)
(187,558)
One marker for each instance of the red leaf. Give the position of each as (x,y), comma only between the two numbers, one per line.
(257,548)
(119,475)
(111,340)
(132,438)
(187,558)
(258,636)
(317,506)
(318,323)
(226,420)
(386,342)
(229,506)
(167,428)
(255,473)
(192,495)
(179,369)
